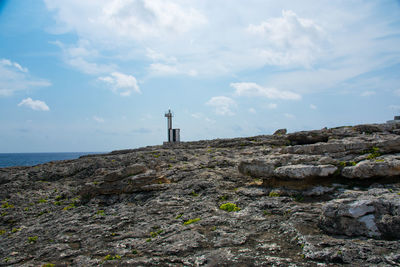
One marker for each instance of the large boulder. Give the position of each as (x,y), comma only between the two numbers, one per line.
(369,216)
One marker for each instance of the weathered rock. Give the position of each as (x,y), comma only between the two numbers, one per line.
(125,172)
(302,171)
(386,167)
(160,205)
(377,217)
(280,132)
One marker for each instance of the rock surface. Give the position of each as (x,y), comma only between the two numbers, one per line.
(314,198)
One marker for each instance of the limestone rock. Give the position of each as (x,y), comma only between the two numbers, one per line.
(383,167)
(280,132)
(377,217)
(302,171)
(125,172)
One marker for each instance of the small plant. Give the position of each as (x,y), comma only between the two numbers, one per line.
(42,200)
(390,190)
(70,206)
(379,160)
(229,207)
(32,239)
(101,213)
(134,252)
(2,232)
(57,203)
(223,198)
(153,234)
(191,221)
(58,197)
(110,258)
(194,194)
(14,230)
(267,213)
(273,194)
(374,153)
(179,216)
(148,240)
(48,265)
(213,228)
(6,259)
(6,205)
(26,209)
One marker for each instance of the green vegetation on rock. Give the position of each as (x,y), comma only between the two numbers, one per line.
(229,207)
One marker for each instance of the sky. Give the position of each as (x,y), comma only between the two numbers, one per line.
(98,75)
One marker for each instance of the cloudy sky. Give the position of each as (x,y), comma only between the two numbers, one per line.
(98,75)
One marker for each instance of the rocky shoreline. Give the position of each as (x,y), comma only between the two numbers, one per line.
(327,197)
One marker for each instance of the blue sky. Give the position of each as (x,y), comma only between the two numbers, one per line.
(98,75)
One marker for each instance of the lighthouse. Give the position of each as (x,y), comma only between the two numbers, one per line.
(173,134)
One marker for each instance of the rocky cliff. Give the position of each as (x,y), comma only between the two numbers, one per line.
(314,198)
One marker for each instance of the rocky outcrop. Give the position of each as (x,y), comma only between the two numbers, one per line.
(313,198)
(369,216)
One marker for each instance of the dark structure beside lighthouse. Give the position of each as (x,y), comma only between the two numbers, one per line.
(173,134)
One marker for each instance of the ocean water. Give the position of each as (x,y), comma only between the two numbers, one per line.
(30,159)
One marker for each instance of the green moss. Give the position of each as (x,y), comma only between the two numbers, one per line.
(14,230)
(26,209)
(267,213)
(134,252)
(191,221)
(48,265)
(100,212)
(42,200)
(194,194)
(110,257)
(32,239)
(179,216)
(229,207)
(379,160)
(2,232)
(6,205)
(70,206)
(374,153)
(58,197)
(273,194)
(223,198)
(148,240)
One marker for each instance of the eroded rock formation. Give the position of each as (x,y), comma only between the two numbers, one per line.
(312,198)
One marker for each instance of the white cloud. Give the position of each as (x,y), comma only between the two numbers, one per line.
(316,48)
(272,106)
(121,83)
(254,90)
(83,57)
(312,106)
(289,116)
(252,110)
(200,116)
(14,77)
(368,93)
(34,104)
(289,39)
(98,119)
(223,105)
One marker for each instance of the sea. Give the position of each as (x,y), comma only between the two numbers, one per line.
(31,159)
